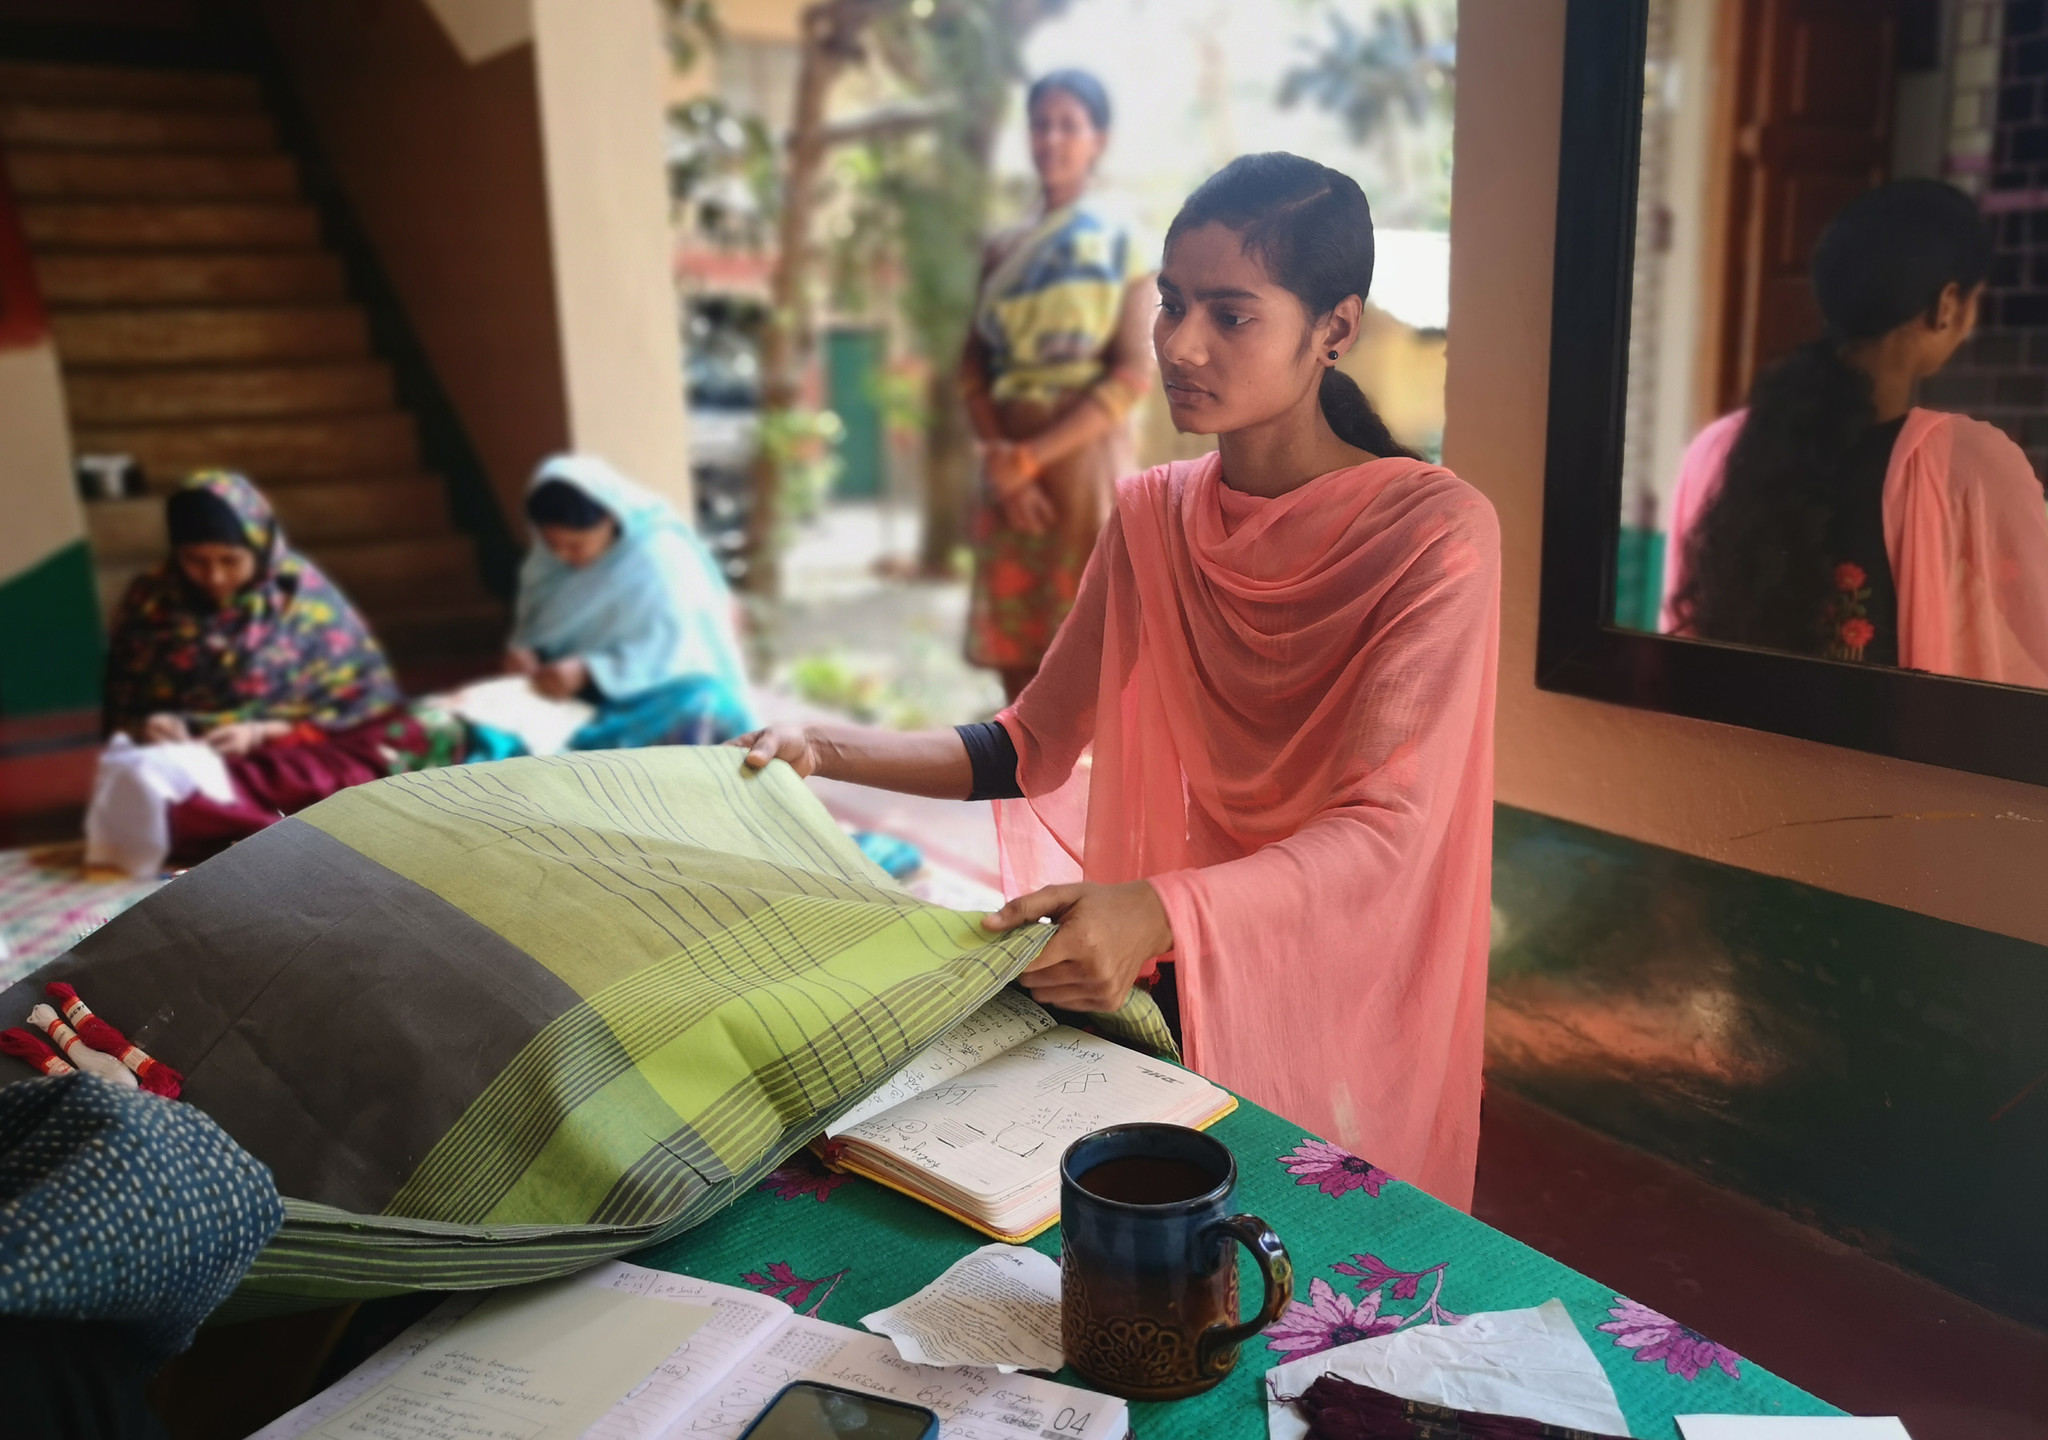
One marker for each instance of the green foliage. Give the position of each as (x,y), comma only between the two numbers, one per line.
(1401,67)
(723,169)
(803,446)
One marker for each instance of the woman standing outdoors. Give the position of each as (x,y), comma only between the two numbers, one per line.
(1056,357)
(1257,765)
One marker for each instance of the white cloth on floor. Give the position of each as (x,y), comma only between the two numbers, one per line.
(128,825)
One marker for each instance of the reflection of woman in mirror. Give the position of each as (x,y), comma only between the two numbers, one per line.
(1834,518)
(1057,355)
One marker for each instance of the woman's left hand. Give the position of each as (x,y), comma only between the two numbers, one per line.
(244,736)
(1106,934)
(561,679)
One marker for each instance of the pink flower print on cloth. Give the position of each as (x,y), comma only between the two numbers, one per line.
(802,1176)
(782,1281)
(1327,1321)
(1332,1169)
(1684,1351)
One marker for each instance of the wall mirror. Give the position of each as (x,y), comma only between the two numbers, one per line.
(1799,372)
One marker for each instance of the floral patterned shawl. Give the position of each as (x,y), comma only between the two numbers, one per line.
(289,646)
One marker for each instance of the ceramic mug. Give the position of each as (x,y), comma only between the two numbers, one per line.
(1148,1300)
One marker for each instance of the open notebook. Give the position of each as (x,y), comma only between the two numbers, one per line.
(726,1373)
(976,1124)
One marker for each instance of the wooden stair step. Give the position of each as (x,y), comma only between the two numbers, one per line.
(268,451)
(188,278)
(48,174)
(368,507)
(474,629)
(132,396)
(130,84)
(169,225)
(127,127)
(389,577)
(313,513)
(175,336)
(421,594)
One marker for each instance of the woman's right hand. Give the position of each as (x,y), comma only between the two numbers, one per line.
(164,728)
(794,744)
(1030,510)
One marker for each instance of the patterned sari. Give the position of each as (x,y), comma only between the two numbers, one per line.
(288,646)
(1052,332)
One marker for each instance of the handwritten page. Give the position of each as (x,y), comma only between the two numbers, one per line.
(740,1320)
(373,1372)
(971,1403)
(1009,1019)
(540,1362)
(996,1133)
(999,1306)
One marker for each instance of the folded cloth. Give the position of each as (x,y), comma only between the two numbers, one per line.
(122,1206)
(1340,1409)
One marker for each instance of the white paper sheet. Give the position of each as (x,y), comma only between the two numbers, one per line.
(1531,1363)
(511,704)
(999,1306)
(540,1362)
(739,1319)
(1009,1019)
(971,1403)
(1789,1427)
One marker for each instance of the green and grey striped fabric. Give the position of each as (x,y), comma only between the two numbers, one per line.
(492,1023)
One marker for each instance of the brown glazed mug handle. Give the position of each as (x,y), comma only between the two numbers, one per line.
(1218,1341)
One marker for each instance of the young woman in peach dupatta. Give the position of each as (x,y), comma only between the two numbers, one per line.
(1834,518)
(1256,768)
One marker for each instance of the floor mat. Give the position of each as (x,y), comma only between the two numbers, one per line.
(49,902)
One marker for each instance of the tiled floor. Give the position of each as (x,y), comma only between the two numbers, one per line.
(1852,1330)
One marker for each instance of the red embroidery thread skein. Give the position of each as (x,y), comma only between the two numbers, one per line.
(152,1074)
(28,1046)
(76,1050)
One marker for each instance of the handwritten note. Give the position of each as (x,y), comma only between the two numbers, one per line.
(971,1403)
(1009,1019)
(542,1362)
(999,1306)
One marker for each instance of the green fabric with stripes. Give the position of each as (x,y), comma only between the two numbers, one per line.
(744,975)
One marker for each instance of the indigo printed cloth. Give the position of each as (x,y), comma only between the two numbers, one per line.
(120,1205)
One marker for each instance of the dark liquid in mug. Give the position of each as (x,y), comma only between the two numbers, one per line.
(1148,1180)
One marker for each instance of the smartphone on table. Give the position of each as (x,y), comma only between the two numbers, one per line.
(808,1411)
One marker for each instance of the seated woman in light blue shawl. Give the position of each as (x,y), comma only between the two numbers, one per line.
(622,606)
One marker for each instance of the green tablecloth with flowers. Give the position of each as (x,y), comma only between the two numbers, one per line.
(1371,1256)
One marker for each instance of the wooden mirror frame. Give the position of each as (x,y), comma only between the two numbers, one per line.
(1970,725)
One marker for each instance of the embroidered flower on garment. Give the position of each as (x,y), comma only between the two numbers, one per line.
(1333,1170)
(1327,1321)
(1684,1351)
(799,1177)
(1857,633)
(1850,577)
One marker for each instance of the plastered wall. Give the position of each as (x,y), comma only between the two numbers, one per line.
(515,191)
(1958,846)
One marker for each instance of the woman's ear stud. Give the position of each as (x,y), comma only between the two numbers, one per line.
(1333,354)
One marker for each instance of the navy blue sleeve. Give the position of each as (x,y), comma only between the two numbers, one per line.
(993,754)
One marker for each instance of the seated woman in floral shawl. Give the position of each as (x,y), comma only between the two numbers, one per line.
(240,643)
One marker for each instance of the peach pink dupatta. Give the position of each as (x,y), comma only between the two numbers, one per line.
(1290,704)
(1965,526)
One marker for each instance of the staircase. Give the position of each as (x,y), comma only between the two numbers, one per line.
(201,323)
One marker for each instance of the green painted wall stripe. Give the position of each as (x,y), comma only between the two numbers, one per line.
(52,649)
(1863,1067)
